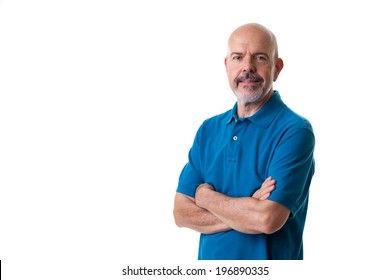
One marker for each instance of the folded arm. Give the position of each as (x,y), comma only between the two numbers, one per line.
(247,214)
(199,215)
(188,214)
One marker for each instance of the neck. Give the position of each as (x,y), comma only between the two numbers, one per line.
(246,110)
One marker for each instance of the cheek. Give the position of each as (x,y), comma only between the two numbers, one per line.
(267,76)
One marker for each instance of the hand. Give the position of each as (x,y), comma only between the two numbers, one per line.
(200,191)
(265,190)
(205,185)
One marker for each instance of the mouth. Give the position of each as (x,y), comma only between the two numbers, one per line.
(249,79)
(249,82)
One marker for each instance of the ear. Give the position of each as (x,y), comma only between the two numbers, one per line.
(226,63)
(278,67)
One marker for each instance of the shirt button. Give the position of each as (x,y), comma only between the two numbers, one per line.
(235,137)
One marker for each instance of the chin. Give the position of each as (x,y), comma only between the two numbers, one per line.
(249,97)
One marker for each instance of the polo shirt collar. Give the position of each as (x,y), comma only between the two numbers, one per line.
(265,115)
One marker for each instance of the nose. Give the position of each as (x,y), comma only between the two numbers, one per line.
(248,66)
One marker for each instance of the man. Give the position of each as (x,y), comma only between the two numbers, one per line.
(245,187)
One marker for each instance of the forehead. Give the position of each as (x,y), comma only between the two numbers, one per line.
(252,40)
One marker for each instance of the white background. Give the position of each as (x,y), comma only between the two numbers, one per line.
(99,104)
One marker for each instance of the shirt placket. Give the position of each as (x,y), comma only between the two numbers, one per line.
(234,141)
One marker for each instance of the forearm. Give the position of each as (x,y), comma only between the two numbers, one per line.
(242,214)
(188,214)
(252,215)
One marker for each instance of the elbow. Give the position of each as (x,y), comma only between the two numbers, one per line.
(178,218)
(268,224)
(269,229)
(273,219)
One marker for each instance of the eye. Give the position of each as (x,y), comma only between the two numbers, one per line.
(236,57)
(261,58)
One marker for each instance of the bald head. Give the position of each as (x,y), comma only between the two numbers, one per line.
(252,65)
(253,32)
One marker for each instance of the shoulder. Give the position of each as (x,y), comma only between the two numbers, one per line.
(284,117)
(290,127)
(290,119)
(294,130)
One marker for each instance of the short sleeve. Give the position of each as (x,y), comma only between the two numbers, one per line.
(191,175)
(292,167)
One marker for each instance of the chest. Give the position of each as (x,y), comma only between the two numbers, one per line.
(236,159)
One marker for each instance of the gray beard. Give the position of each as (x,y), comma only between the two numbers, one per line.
(255,96)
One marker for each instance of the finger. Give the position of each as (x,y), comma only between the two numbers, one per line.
(268,179)
(267,186)
(267,191)
(268,183)
(264,192)
(257,194)
(261,196)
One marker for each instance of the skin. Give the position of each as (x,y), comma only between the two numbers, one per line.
(252,49)
(252,65)
(188,212)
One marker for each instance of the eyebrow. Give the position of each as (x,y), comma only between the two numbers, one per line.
(258,53)
(235,53)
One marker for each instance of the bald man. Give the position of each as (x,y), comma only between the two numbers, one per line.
(245,187)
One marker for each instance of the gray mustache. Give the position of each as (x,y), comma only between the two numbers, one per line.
(248,76)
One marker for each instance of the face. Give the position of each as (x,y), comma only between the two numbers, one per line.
(251,64)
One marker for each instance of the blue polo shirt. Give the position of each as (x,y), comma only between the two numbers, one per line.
(236,155)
